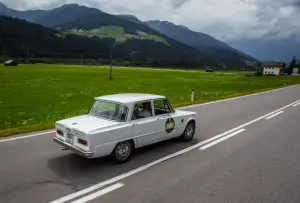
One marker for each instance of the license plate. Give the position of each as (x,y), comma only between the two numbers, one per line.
(69,138)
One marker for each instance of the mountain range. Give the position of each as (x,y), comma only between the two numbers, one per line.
(270,49)
(199,41)
(146,39)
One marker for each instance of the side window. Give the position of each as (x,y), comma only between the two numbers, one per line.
(142,110)
(161,107)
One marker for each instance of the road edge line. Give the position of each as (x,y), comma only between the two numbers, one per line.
(26,136)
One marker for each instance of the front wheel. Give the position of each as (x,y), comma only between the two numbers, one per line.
(189,132)
(122,152)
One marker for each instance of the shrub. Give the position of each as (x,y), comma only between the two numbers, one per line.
(258,73)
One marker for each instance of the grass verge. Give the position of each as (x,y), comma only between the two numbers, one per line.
(33,97)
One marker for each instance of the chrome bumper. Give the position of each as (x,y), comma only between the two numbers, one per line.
(73,149)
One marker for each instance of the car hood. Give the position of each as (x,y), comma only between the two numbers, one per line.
(86,123)
(181,112)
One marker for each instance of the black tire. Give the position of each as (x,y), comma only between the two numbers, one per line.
(189,132)
(122,152)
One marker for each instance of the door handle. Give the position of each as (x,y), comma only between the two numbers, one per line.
(134,124)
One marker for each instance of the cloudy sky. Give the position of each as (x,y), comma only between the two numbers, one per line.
(224,19)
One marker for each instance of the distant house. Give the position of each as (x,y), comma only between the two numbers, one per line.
(11,63)
(273,68)
(209,70)
(296,69)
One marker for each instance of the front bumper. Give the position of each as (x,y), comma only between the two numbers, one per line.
(73,149)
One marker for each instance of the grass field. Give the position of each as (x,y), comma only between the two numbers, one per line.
(116,32)
(33,97)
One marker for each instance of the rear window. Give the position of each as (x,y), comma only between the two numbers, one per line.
(109,110)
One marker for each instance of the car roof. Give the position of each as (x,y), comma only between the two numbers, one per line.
(129,97)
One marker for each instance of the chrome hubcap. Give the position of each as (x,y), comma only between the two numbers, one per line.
(123,150)
(189,131)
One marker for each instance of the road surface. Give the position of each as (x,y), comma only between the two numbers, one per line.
(245,150)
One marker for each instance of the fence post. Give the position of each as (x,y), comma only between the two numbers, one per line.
(192,95)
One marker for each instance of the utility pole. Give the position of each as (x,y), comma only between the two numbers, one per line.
(110,69)
(111,58)
(81,58)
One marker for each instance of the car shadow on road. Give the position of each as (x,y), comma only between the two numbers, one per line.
(82,172)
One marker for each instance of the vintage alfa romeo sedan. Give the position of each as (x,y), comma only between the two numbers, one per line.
(117,124)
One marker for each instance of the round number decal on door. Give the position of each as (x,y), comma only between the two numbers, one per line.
(170,125)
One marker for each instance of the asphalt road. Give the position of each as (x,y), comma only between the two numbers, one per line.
(245,150)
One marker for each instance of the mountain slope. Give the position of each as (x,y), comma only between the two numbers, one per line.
(222,51)
(130,18)
(196,39)
(24,39)
(131,32)
(74,16)
(30,15)
(81,20)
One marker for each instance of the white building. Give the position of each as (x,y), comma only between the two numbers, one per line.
(273,68)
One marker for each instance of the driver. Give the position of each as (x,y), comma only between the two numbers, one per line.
(146,111)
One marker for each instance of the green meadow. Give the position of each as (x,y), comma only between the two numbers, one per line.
(33,97)
(116,32)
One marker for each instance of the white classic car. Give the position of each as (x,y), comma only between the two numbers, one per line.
(117,124)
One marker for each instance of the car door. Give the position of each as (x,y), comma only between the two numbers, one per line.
(167,122)
(144,127)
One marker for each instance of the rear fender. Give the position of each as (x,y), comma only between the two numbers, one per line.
(105,149)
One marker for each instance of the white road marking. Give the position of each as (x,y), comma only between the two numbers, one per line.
(144,167)
(276,114)
(233,98)
(222,139)
(26,136)
(186,107)
(296,104)
(99,193)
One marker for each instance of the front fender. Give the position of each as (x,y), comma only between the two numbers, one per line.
(191,119)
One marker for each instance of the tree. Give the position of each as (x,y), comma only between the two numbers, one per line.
(291,66)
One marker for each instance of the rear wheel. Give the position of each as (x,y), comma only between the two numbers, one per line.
(189,132)
(122,152)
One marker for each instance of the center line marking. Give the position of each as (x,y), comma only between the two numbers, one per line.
(222,139)
(296,104)
(276,114)
(99,193)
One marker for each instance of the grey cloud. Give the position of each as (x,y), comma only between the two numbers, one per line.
(178,3)
(223,19)
(296,4)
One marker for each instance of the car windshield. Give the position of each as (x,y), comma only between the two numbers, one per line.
(109,110)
